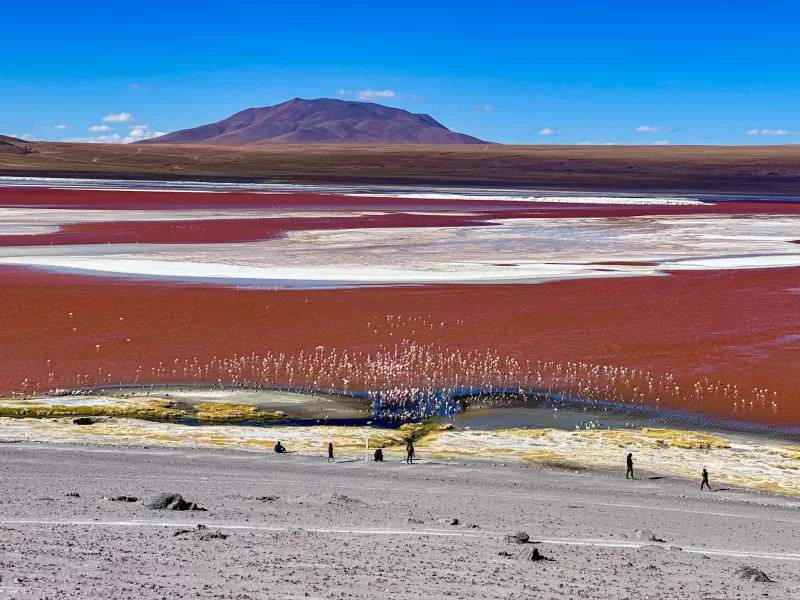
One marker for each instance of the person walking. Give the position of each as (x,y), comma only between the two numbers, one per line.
(409,451)
(330,452)
(630,466)
(705,480)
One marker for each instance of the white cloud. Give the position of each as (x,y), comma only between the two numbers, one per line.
(26,136)
(661,143)
(649,129)
(141,132)
(584,143)
(548,131)
(99,139)
(344,92)
(610,144)
(771,132)
(369,94)
(96,128)
(122,117)
(61,126)
(484,108)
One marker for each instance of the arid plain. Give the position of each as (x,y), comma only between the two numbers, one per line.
(552,332)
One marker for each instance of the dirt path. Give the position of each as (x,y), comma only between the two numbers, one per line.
(368,530)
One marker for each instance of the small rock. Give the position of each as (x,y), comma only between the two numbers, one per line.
(751,574)
(413,521)
(447,521)
(647,535)
(73,495)
(519,537)
(90,420)
(121,498)
(531,554)
(169,501)
(267,498)
(676,548)
(200,533)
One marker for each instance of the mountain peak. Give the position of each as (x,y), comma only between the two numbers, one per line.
(322,120)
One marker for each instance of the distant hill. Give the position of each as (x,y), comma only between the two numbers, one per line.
(12,145)
(324,120)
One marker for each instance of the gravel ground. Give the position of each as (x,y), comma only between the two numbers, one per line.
(298,527)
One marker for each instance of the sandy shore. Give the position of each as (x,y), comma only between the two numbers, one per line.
(367,530)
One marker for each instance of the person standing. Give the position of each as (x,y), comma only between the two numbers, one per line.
(705,480)
(630,466)
(330,452)
(409,451)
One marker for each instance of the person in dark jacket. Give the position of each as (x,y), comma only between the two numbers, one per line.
(279,449)
(705,480)
(378,456)
(330,452)
(630,466)
(409,451)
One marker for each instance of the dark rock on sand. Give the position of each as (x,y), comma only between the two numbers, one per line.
(647,535)
(169,501)
(531,554)
(519,537)
(751,574)
(200,533)
(73,495)
(121,498)
(89,420)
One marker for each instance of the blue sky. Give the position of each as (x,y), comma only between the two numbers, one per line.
(562,72)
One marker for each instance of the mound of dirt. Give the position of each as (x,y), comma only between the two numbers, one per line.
(200,533)
(169,501)
(321,499)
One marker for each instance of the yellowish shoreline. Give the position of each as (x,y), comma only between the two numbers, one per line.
(771,468)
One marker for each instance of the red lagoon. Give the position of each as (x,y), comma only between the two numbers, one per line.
(724,343)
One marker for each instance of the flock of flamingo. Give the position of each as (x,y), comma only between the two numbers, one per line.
(408,380)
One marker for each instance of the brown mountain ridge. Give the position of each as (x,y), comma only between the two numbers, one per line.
(12,145)
(324,120)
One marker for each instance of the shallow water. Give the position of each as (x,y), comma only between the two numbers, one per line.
(485,412)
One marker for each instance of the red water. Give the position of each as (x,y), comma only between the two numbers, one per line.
(736,326)
(60,330)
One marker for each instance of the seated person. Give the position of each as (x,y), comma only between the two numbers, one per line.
(379,455)
(279,448)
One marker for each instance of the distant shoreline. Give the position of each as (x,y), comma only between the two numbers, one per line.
(734,171)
